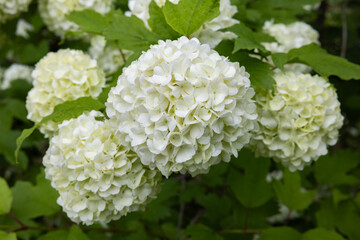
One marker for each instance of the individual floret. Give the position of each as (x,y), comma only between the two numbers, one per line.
(298,120)
(109,57)
(294,35)
(54,12)
(98,178)
(183,107)
(14,72)
(12,8)
(208,33)
(58,77)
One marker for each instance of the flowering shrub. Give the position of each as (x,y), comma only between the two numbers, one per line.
(179,119)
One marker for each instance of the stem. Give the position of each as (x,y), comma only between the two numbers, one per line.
(241,231)
(123,55)
(22,225)
(344,35)
(196,218)
(287,218)
(246,220)
(182,205)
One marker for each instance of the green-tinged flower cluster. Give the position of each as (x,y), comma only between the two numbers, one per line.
(12,8)
(298,120)
(58,77)
(97,177)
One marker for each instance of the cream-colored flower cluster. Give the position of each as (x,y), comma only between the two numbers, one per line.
(54,12)
(12,8)
(294,35)
(298,120)
(183,107)
(109,57)
(58,77)
(98,178)
(208,33)
(14,72)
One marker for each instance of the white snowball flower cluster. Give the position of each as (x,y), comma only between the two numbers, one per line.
(12,8)
(98,178)
(208,33)
(298,121)
(58,77)
(109,58)
(14,72)
(294,35)
(183,107)
(283,214)
(54,12)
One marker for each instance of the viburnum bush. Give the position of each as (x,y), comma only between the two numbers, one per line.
(179,119)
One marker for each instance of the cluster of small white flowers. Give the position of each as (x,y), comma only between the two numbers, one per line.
(109,58)
(288,37)
(274,175)
(284,213)
(208,33)
(58,77)
(12,8)
(298,121)
(183,107)
(14,72)
(98,178)
(54,12)
(22,28)
(312,7)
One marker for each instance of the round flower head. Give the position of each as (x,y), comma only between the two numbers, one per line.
(183,107)
(109,58)
(54,12)
(288,37)
(208,33)
(298,121)
(58,77)
(98,178)
(14,72)
(12,8)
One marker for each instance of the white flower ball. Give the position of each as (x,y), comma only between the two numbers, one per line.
(12,8)
(109,58)
(54,12)
(14,72)
(294,35)
(98,178)
(298,121)
(208,33)
(183,107)
(59,77)
(23,27)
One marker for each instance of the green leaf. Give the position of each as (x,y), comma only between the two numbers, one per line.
(347,219)
(55,235)
(130,33)
(63,111)
(33,201)
(30,54)
(333,169)
(326,215)
(323,63)
(6,197)
(188,15)
(289,192)
(90,20)
(246,38)
(251,188)
(200,232)
(280,233)
(158,23)
(338,196)
(7,236)
(75,233)
(321,234)
(279,60)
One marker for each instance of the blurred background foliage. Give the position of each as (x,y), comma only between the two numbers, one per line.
(249,198)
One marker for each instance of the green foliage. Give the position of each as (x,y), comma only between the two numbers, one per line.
(75,233)
(31,201)
(7,236)
(289,192)
(321,234)
(188,15)
(89,20)
(280,233)
(6,197)
(246,38)
(200,232)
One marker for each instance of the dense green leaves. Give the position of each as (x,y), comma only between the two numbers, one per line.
(6,197)
(188,15)
(246,38)
(200,232)
(251,188)
(329,171)
(280,233)
(289,192)
(75,233)
(321,234)
(31,201)
(7,236)
(89,20)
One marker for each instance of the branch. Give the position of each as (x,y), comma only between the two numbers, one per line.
(344,35)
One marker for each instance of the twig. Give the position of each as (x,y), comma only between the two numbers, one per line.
(344,34)
(287,218)
(22,225)
(123,55)
(197,217)
(182,205)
